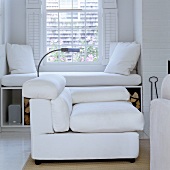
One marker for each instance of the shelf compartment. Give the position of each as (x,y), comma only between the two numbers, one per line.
(10,97)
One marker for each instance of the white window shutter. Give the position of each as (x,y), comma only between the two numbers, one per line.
(1,21)
(34,29)
(111,4)
(0,7)
(33,4)
(110,31)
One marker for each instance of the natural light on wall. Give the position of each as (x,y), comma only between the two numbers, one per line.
(72,24)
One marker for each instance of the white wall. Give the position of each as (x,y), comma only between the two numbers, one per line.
(138,20)
(16,25)
(155,51)
(126,20)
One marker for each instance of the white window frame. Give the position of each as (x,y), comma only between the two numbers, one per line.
(108,33)
(100,38)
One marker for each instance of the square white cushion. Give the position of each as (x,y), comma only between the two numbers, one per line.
(118,116)
(124,58)
(20,59)
(61,110)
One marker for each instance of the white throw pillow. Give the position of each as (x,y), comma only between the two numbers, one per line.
(124,58)
(20,59)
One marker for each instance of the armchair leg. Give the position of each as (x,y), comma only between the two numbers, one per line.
(37,162)
(132,160)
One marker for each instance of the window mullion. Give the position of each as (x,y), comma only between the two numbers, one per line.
(72,30)
(59,30)
(85,32)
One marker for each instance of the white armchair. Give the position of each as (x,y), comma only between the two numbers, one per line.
(160,129)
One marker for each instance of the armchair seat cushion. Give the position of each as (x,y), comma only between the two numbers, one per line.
(118,116)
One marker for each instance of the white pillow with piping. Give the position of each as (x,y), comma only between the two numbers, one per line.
(124,58)
(20,59)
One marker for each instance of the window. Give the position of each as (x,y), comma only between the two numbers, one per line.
(74,24)
(88,24)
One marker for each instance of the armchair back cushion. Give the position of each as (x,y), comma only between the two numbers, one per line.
(99,94)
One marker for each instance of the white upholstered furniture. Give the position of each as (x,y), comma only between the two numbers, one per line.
(160,129)
(80,122)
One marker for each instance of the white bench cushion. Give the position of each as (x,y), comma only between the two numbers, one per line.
(78,79)
(118,116)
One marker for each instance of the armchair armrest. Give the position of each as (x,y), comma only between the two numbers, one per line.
(41,118)
(160,134)
(44,87)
